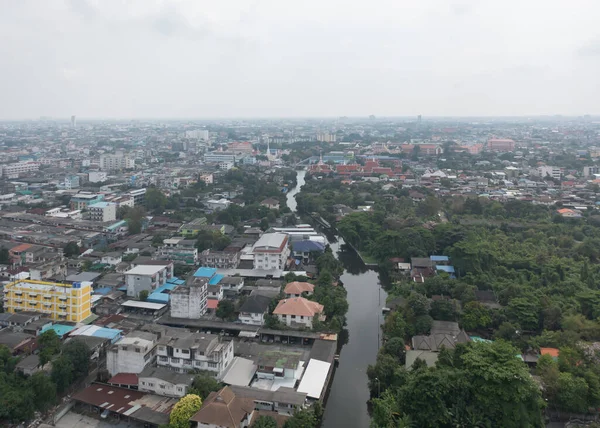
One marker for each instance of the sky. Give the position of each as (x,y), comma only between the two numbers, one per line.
(309,58)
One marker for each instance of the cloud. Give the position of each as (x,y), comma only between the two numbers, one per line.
(590,49)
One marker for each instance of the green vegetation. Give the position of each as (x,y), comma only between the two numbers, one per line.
(204,385)
(184,410)
(226,310)
(70,250)
(21,396)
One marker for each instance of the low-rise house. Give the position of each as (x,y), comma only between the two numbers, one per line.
(254,309)
(278,364)
(113,258)
(271,203)
(304,249)
(29,365)
(223,409)
(190,300)
(299,312)
(162,381)
(215,292)
(178,250)
(232,284)
(298,289)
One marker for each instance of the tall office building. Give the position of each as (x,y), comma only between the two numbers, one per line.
(73,121)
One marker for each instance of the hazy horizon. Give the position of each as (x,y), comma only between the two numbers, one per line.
(137,59)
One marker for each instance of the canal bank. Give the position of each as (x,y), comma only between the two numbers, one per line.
(347,401)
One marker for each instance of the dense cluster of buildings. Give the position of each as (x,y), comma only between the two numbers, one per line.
(148,303)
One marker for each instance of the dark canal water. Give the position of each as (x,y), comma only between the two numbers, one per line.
(347,402)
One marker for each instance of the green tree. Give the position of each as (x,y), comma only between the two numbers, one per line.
(475,316)
(155,200)
(144,295)
(71,249)
(184,410)
(226,310)
(443,310)
(78,354)
(396,348)
(48,345)
(304,418)
(265,422)
(43,390)
(62,373)
(203,385)
(4,256)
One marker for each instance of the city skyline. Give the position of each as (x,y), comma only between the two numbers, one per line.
(264,59)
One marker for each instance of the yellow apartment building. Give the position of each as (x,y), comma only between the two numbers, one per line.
(61,302)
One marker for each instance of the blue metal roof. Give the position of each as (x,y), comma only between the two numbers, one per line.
(158,298)
(123,288)
(59,329)
(104,290)
(439,258)
(178,282)
(205,272)
(174,279)
(107,333)
(304,246)
(449,269)
(163,288)
(215,279)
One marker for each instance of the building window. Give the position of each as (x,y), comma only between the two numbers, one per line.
(123,348)
(185,351)
(164,359)
(175,360)
(179,389)
(293,317)
(162,386)
(143,383)
(212,365)
(137,350)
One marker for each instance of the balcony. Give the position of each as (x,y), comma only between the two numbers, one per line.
(62,306)
(33,294)
(62,297)
(19,293)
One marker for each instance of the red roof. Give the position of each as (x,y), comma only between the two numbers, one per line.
(212,303)
(124,379)
(118,400)
(553,352)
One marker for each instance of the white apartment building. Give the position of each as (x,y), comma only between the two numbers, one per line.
(591,170)
(217,157)
(147,277)
(97,176)
(138,195)
(217,204)
(102,211)
(200,134)
(132,353)
(116,162)
(13,170)
(207,178)
(189,300)
(195,351)
(271,251)
(165,382)
(552,171)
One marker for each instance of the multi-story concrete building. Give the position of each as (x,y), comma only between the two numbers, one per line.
(217,157)
(208,178)
(71,182)
(132,353)
(200,134)
(588,171)
(195,351)
(63,302)
(299,312)
(147,277)
(271,251)
(102,211)
(179,251)
(116,162)
(552,171)
(83,199)
(13,170)
(190,300)
(500,145)
(220,259)
(97,176)
(139,196)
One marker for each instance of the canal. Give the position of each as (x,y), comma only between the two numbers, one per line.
(347,401)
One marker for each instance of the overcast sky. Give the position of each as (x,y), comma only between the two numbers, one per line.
(284,58)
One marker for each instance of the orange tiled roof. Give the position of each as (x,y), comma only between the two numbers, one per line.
(298,306)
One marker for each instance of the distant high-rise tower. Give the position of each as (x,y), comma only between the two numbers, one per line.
(73,121)
(419,119)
